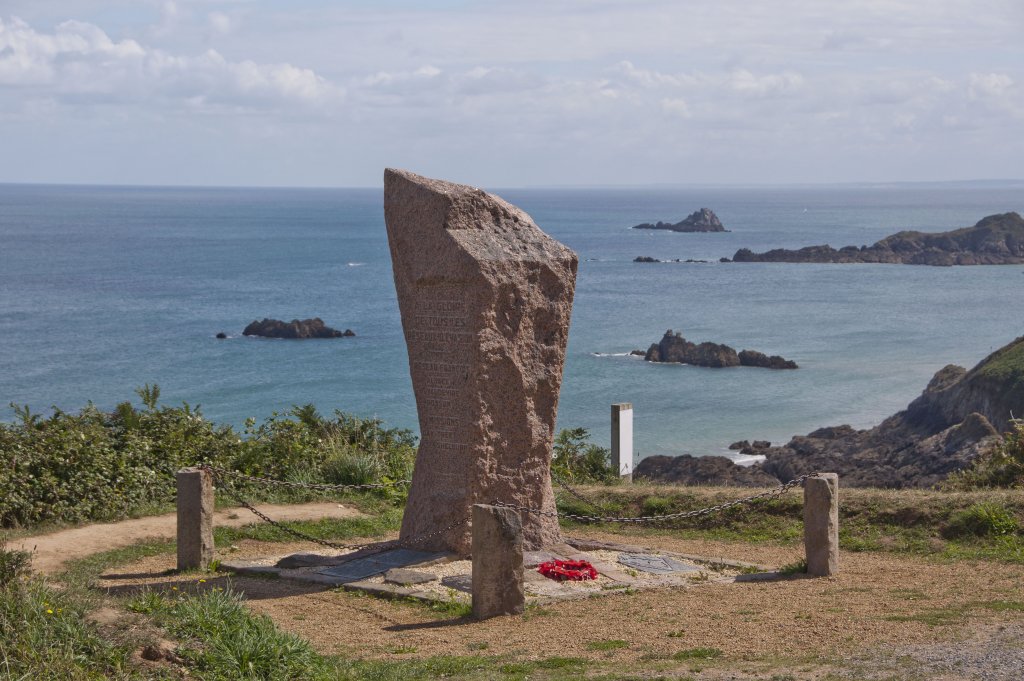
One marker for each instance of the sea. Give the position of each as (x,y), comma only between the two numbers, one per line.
(106,288)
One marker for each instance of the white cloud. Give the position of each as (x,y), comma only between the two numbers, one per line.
(79,57)
(989,85)
(676,106)
(219,22)
(771,85)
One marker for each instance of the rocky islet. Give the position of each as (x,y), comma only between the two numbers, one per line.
(703,220)
(674,348)
(295,329)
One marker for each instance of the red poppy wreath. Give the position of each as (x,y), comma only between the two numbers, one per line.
(567,570)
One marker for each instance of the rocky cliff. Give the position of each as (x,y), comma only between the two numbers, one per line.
(995,240)
(674,348)
(703,220)
(959,415)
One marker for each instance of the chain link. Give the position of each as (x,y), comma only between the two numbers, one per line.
(560,481)
(773,493)
(224,473)
(233,493)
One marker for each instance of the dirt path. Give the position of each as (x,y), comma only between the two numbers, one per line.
(52,551)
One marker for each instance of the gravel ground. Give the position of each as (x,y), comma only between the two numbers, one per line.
(884,616)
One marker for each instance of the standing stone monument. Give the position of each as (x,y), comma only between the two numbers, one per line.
(485,298)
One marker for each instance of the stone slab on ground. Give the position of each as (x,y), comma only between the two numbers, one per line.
(361,568)
(406,577)
(452,578)
(658,565)
(304,560)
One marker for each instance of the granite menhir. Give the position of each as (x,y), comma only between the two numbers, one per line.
(485,298)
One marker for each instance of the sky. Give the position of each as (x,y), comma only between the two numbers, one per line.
(508,94)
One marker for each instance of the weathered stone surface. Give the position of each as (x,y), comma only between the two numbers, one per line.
(303,560)
(821,524)
(406,576)
(485,298)
(295,329)
(195,518)
(497,562)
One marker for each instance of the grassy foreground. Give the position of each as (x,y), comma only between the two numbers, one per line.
(46,633)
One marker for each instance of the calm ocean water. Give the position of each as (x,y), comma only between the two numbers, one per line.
(103,289)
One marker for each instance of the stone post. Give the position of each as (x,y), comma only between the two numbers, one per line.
(821,524)
(195,518)
(497,562)
(622,440)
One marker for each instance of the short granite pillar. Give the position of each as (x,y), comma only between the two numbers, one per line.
(821,524)
(497,562)
(195,518)
(622,440)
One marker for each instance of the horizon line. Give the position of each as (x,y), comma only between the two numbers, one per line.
(652,185)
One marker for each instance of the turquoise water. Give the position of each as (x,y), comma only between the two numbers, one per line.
(103,289)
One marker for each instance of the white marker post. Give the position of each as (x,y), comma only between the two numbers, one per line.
(622,440)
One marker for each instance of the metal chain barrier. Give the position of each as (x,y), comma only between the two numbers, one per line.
(560,481)
(225,473)
(219,476)
(773,493)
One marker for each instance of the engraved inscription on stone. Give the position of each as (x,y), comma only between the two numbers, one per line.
(485,298)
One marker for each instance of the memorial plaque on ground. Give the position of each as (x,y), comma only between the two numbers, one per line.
(658,565)
(361,568)
(485,298)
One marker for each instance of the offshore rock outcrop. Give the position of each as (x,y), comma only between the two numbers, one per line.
(295,329)
(959,415)
(994,240)
(674,348)
(703,220)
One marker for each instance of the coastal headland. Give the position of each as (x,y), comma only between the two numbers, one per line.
(994,240)
(959,415)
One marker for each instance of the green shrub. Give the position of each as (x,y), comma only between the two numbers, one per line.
(576,460)
(1000,466)
(655,506)
(95,465)
(13,564)
(982,520)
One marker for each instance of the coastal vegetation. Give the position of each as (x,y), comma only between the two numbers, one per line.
(97,465)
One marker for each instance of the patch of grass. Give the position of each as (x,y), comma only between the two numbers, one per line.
(610,644)
(44,634)
(999,606)
(453,606)
(697,654)
(221,639)
(935,617)
(982,520)
(797,567)
(331,529)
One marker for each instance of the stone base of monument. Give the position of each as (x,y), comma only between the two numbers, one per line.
(390,572)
